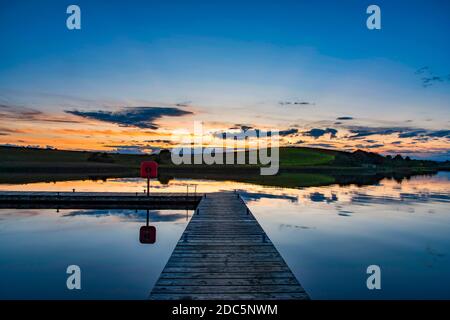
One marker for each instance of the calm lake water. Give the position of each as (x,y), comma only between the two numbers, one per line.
(327,235)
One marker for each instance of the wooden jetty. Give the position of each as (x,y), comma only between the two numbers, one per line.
(97,200)
(225,254)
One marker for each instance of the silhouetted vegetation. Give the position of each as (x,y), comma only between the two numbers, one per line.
(100,157)
(361,158)
(299,167)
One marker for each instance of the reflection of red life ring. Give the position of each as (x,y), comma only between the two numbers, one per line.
(147,234)
(149,169)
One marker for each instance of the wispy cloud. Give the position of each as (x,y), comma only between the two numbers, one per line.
(439,134)
(369,146)
(183,104)
(321,145)
(402,132)
(317,133)
(7,131)
(288,132)
(140,117)
(412,134)
(423,70)
(429,81)
(137,148)
(242,127)
(20,113)
(128,149)
(161,141)
(296,103)
(429,78)
(363,131)
(246,131)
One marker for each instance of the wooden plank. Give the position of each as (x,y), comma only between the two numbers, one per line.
(231,296)
(222,268)
(223,247)
(254,265)
(252,259)
(225,254)
(272,288)
(226,282)
(225,275)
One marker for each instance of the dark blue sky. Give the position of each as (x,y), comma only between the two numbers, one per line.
(413,32)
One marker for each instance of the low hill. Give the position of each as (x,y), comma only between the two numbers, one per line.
(18,165)
(290,157)
(55,157)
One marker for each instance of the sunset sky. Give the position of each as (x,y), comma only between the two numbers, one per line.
(138,70)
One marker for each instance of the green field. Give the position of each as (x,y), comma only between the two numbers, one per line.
(294,157)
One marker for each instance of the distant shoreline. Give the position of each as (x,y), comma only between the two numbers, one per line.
(299,167)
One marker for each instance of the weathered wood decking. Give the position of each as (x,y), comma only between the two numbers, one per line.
(225,254)
(88,200)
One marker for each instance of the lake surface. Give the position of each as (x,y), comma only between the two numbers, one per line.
(327,235)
